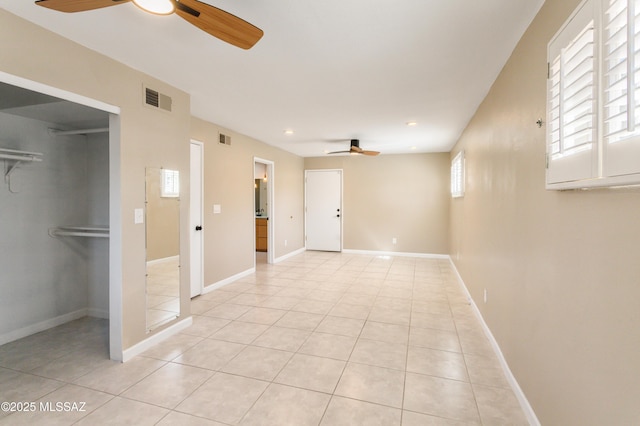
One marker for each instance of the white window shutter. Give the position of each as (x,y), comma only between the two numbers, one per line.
(593,97)
(571,99)
(621,87)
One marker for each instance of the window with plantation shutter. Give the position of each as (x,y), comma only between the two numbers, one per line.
(571,99)
(457,175)
(593,97)
(621,88)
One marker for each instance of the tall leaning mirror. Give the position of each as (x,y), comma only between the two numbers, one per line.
(162,190)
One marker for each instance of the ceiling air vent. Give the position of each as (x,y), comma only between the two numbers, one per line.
(225,139)
(157,99)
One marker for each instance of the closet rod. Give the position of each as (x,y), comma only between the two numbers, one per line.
(79,231)
(17,155)
(57,132)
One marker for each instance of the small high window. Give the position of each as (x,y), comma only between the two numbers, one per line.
(457,175)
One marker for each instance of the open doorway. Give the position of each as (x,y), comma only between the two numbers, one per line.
(60,153)
(263,209)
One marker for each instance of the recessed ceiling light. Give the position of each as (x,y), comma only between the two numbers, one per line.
(414,148)
(288,132)
(411,123)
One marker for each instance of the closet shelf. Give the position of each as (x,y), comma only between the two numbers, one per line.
(79,231)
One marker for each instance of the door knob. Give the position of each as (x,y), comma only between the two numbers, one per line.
(198,228)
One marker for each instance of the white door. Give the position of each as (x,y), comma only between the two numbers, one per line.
(195,209)
(323,202)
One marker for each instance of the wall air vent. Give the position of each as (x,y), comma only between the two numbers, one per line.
(157,99)
(225,139)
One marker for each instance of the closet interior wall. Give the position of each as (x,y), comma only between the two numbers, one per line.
(49,280)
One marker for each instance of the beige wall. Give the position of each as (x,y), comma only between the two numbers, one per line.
(393,196)
(148,138)
(562,269)
(229,242)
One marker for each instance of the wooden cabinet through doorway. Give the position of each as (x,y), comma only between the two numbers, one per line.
(261,234)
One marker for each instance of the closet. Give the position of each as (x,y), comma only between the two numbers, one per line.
(54,212)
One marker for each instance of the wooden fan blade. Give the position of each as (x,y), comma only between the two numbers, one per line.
(218,23)
(70,6)
(372,153)
(339,152)
(356,149)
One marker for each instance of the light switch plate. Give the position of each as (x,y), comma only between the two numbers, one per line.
(138,216)
(217,209)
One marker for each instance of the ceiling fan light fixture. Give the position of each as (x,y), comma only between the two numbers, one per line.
(157,7)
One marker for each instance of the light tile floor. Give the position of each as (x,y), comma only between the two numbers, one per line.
(319,339)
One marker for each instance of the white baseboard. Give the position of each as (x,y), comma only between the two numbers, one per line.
(164,260)
(209,288)
(288,255)
(522,399)
(154,339)
(42,325)
(396,253)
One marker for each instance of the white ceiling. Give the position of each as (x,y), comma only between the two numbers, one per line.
(329,70)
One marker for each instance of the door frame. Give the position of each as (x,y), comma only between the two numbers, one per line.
(270,208)
(341,171)
(116,351)
(193,264)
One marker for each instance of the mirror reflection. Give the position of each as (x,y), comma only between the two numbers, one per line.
(261,197)
(162,190)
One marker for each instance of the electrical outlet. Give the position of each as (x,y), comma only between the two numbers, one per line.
(394,241)
(486,294)
(285,243)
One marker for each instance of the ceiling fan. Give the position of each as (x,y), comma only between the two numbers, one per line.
(355,149)
(214,21)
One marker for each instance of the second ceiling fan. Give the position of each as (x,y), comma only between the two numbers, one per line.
(214,21)
(355,149)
